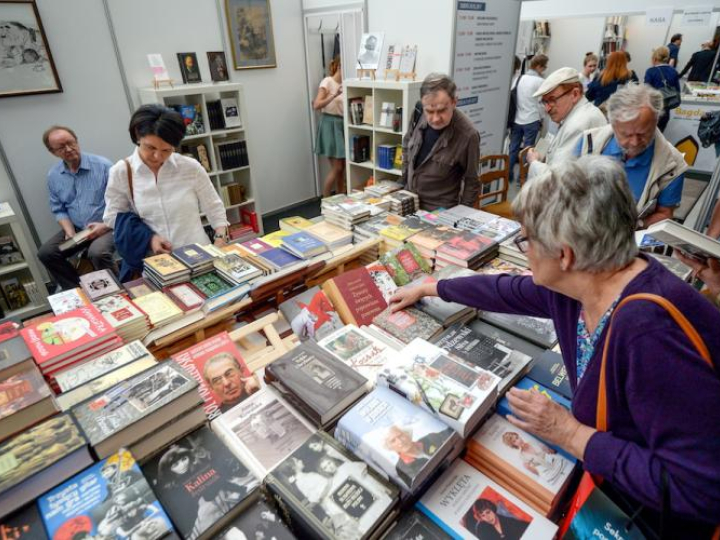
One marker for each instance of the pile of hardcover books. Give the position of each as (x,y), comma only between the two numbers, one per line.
(303,245)
(404,202)
(430,239)
(395,235)
(159,308)
(344,211)
(236,269)
(195,258)
(124,316)
(383,187)
(509,252)
(99,284)
(333,236)
(371,228)
(163,270)
(467,249)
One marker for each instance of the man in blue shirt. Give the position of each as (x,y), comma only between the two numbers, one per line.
(77,199)
(654,167)
(674,48)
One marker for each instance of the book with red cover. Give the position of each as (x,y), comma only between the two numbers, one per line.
(466,246)
(224,379)
(9,330)
(66,335)
(256,246)
(25,399)
(355,296)
(185,296)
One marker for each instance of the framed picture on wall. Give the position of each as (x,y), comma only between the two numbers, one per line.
(218,66)
(251,34)
(189,67)
(26,65)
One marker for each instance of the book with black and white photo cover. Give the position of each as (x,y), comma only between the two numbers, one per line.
(414,525)
(358,349)
(311,315)
(231,113)
(456,393)
(687,240)
(200,483)
(329,493)
(466,504)
(535,329)
(262,431)
(99,284)
(110,500)
(395,437)
(143,403)
(316,382)
(486,352)
(258,521)
(39,459)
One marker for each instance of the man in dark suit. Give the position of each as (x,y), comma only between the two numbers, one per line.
(413,455)
(701,63)
(484,522)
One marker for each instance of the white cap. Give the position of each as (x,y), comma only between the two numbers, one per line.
(560,76)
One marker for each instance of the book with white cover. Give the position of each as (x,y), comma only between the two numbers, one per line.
(359,350)
(466,504)
(68,300)
(689,241)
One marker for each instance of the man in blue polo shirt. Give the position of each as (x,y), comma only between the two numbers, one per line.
(77,199)
(655,168)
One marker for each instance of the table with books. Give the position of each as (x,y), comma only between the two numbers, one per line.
(330,418)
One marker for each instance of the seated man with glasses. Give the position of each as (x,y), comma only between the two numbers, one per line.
(563,98)
(77,199)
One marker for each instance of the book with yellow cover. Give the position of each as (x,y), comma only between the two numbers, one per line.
(295,224)
(159,308)
(329,233)
(275,238)
(165,265)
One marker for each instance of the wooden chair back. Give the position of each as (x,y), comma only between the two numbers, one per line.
(524,165)
(276,346)
(492,168)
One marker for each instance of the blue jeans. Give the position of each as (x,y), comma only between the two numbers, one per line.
(521,134)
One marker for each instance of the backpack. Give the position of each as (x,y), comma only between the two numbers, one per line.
(512,106)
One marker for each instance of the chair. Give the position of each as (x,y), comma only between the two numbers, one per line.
(492,169)
(524,165)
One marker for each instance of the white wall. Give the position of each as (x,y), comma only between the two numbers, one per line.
(425,23)
(641,40)
(693,36)
(571,39)
(550,9)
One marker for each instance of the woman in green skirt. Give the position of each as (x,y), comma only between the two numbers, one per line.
(330,136)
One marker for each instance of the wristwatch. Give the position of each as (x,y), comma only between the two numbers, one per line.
(224,236)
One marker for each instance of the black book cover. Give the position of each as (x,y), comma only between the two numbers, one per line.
(25,524)
(549,370)
(200,483)
(416,525)
(318,379)
(258,521)
(535,329)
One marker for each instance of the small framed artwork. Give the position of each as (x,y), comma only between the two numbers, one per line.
(26,65)
(251,33)
(218,66)
(189,67)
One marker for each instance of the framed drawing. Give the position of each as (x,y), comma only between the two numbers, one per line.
(26,65)
(218,66)
(251,34)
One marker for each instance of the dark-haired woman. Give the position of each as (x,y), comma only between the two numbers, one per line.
(169,190)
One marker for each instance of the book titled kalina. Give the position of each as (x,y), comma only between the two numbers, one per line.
(466,504)
(355,296)
(223,377)
(311,315)
(110,500)
(329,493)
(262,431)
(458,394)
(258,521)
(396,437)
(317,383)
(200,483)
(359,350)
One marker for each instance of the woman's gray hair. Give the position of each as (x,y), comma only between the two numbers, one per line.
(438,81)
(584,204)
(625,104)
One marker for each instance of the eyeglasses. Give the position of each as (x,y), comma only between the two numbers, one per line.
(64,147)
(522,243)
(551,102)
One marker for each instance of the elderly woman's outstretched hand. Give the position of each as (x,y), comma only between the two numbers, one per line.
(405,297)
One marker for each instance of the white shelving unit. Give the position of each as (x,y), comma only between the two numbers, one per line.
(202,94)
(403,94)
(26,270)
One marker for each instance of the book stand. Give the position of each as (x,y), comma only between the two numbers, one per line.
(399,75)
(158,82)
(259,357)
(369,72)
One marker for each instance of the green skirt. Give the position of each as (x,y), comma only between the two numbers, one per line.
(330,140)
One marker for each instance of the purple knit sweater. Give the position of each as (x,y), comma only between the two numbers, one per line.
(663,399)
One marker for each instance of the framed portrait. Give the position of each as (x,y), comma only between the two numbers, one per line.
(251,34)
(26,65)
(218,66)
(189,68)
(371,45)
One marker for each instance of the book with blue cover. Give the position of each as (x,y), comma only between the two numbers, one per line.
(549,370)
(303,245)
(192,256)
(279,258)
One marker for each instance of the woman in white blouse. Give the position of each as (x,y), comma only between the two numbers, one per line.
(169,190)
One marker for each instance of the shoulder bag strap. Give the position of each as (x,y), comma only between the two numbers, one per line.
(128,168)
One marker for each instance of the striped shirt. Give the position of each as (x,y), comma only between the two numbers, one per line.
(80,196)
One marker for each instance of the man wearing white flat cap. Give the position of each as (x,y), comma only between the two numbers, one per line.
(563,98)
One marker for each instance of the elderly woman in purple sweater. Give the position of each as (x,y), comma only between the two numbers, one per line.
(663,407)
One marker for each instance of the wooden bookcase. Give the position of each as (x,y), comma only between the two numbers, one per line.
(402,94)
(201,95)
(25,270)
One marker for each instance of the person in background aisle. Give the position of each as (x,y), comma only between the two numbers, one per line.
(330,141)
(655,168)
(517,64)
(674,49)
(663,399)
(662,74)
(165,189)
(563,98)
(615,75)
(588,73)
(77,200)
(529,113)
(441,151)
(701,63)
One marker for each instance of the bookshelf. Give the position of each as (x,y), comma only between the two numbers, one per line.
(223,138)
(14,270)
(400,94)
(613,38)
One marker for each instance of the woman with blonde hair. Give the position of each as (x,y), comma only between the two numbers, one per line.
(330,140)
(589,70)
(615,75)
(662,75)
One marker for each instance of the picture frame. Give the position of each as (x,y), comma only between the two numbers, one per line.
(26,63)
(218,66)
(251,33)
(189,67)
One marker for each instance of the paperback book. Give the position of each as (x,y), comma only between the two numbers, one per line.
(14,356)
(303,245)
(68,300)
(311,315)
(185,296)
(159,308)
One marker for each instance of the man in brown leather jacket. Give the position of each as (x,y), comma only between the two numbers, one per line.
(441,152)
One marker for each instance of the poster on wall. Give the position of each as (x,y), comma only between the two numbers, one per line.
(696,16)
(682,132)
(484,45)
(26,64)
(251,33)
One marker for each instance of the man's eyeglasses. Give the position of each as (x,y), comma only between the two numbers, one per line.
(551,102)
(64,147)
(522,243)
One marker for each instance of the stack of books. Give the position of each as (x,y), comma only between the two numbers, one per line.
(258,520)
(218,292)
(124,316)
(274,239)
(404,203)
(303,245)
(355,296)
(195,258)
(394,235)
(159,308)
(371,228)
(294,224)
(533,329)
(333,236)
(344,212)
(407,324)
(383,187)
(163,270)
(68,300)
(501,266)
(99,284)
(277,258)
(236,269)
(405,264)
(509,252)
(185,296)
(467,249)
(450,216)
(240,232)
(430,239)
(446,313)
